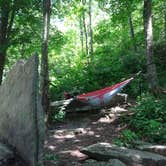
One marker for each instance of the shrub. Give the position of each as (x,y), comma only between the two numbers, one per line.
(126,138)
(149,118)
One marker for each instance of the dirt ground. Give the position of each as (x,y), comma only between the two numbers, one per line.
(64,140)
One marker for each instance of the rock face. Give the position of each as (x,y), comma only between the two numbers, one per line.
(160,149)
(105,151)
(21,115)
(113,162)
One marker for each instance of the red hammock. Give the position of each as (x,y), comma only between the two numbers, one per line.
(103,96)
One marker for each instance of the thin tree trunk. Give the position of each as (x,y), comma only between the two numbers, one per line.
(151,67)
(44,59)
(85,32)
(2,64)
(132,34)
(81,34)
(3,36)
(90,27)
(86,35)
(165,24)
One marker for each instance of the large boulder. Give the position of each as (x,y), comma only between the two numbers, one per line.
(113,162)
(21,114)
(106,151)
(160,149)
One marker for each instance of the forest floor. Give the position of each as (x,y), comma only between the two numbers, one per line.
(65,139)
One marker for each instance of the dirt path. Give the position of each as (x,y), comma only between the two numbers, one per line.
(65,139)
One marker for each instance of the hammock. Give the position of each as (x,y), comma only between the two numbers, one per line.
(102,97)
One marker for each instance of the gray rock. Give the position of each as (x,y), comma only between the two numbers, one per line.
(113,162)
(106,151)
(160,149)
(93,163)
(116,162)
(21,115)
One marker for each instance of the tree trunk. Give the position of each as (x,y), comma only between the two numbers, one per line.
(81,34)
(3,36)
(151,67)
(2,64)
(165,24)
(90,27)
(44,59)
(85,31)
(132,34)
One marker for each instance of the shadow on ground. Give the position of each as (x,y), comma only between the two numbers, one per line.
(64,140)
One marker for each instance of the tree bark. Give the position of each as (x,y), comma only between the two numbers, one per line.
(132,34)
(81,34)
(90,27)
(85,31)
(44,84)
(165,24)
(3,36)
(2,64)
(151,67)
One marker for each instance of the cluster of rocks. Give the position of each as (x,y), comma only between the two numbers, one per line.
(105,154)
(21,115)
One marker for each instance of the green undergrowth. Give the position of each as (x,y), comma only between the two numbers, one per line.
(147,123)
(53,158)
(57,115)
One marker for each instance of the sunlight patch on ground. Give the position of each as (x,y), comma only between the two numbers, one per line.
(90,133)
(51,147)
(64,136)
(75,153)
(105,120)
(78,154)
(97,136)
(118,110)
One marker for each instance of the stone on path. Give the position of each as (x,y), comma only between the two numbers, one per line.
(21,115)
(106,151)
